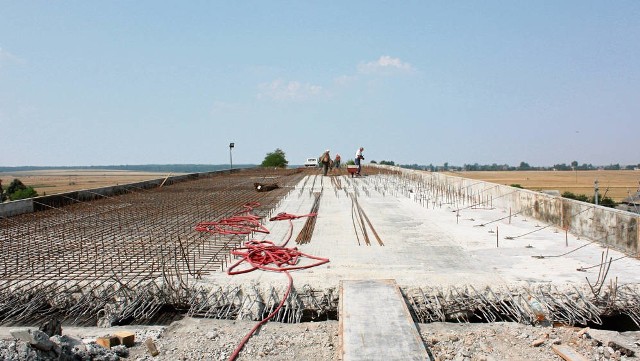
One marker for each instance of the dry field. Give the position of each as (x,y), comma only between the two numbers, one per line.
(616,184)
(47,182)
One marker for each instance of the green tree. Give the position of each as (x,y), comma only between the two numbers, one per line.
(276,158)
(524,166)
(17,190)
(604,201)
(578,197)
(28,192)
(15,185)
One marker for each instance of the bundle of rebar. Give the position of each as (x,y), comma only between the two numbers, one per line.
(309,225)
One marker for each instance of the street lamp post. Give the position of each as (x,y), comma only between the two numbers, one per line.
(231,145)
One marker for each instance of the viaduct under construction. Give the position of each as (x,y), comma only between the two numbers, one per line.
(458,249)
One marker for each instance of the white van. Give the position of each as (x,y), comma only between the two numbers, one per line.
(311,162)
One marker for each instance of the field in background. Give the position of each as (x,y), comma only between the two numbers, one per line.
(616,184)
(47,182)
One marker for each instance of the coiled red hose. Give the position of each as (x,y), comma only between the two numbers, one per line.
(263,255)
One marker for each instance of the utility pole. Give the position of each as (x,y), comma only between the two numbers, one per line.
(231,145)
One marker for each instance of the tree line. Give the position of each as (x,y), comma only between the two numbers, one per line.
(522,166)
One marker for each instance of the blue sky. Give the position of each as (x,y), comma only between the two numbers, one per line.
(463,82)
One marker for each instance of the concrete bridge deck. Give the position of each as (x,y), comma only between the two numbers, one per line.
(422,244)
(438,244)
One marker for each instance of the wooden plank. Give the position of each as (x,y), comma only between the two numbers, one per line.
(375,323)
(567,353)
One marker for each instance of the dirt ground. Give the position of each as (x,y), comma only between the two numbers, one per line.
(206,339)
(210,339)
(616,184)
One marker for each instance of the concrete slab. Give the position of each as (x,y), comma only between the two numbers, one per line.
(375,323)
(426,244)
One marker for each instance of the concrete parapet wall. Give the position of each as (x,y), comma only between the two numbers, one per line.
(10,209)
(610,227)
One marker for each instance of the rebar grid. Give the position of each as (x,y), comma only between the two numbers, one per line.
(125,256)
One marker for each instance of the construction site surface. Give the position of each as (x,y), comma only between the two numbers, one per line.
(458,250)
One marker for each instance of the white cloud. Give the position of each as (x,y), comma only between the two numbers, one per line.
(291,90)
(385,65)
(282,90)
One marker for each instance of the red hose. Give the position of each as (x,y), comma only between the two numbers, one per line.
(283,216)
(261,254)
(246,338)
(266,256)
(242,222)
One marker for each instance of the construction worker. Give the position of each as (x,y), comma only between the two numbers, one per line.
(325,160)
(359,159)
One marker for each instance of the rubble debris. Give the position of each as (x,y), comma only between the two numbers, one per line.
(53,327)
(108,341)
(126,338)
(584,331)
(623,350)
(35,338)
(538,342)
(567,353)
(36,345)
(151,347)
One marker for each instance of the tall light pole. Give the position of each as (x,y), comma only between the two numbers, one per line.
(231,145)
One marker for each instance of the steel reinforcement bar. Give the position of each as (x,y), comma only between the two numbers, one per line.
(124,256)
